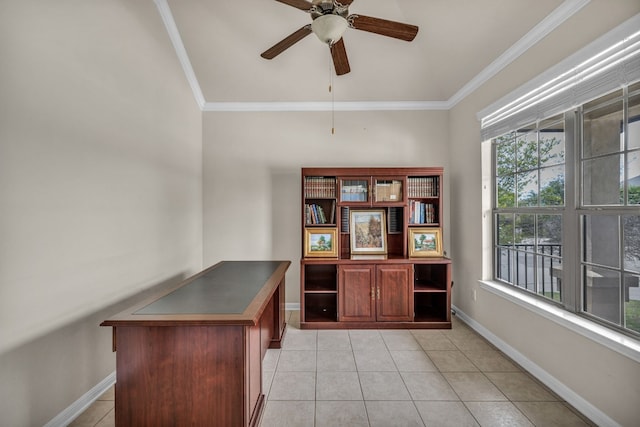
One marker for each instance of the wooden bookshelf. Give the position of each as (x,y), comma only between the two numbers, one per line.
(346,282)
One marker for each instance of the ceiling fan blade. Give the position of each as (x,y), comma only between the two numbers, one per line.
(383,27)
(298,4)
(340,60)
(287,42)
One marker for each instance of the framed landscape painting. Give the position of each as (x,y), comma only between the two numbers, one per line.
(320,242)
(368,232)
(425,242)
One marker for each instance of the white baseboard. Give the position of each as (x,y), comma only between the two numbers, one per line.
(292,306)
(72,412)
(570,396)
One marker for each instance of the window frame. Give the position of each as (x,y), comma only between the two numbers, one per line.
(573,213)
(584,211)
(527,210)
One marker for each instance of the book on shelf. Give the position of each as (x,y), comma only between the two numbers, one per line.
(423,186)
(315,213)
(319,187)
(332,217)
(421,212)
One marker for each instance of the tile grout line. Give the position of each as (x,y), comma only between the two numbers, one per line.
(401,344)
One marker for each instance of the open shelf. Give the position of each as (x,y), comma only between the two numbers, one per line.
(430,277)
(320,278)
(430,307)
(320,307)
(320,212)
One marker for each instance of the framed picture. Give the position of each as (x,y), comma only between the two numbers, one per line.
(368,232)
(320,242)
(425,242)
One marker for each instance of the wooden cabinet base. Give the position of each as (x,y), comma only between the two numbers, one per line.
(385,294)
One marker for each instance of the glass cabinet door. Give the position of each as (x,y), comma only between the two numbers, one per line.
(388,190)
(354,190)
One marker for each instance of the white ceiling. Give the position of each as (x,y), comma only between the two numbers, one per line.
(460,44)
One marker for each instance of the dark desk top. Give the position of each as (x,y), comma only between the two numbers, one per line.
(228,292)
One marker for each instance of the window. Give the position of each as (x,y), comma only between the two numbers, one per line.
(537,220)
(610,208)
(529,178)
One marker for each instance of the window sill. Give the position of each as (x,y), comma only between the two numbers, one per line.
(613,340)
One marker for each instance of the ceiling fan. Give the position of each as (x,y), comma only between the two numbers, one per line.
(330,19)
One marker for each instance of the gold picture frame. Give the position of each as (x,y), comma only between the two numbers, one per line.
(368,234)
(320,243)
(425,242)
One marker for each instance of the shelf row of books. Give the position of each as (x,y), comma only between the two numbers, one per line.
(423,186)
(422,213)
(319,187)
(315,214)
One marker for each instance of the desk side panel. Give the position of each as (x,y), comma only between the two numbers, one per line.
(191,375)
(255,399)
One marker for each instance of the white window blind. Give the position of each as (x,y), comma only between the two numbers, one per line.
(608,63)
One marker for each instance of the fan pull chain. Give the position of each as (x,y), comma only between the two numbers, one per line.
(333,112)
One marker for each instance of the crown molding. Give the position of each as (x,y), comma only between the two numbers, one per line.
(563,12)
(326,106)
(559,15)
(181,52)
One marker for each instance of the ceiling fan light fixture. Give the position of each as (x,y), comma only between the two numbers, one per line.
(329,28)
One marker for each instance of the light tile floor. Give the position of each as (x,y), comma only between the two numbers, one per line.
(387,378)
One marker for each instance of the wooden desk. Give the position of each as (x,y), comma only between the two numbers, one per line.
(193,356)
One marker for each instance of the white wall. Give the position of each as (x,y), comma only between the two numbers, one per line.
(252,162)
(102,193)
(608,381)
(100,188)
